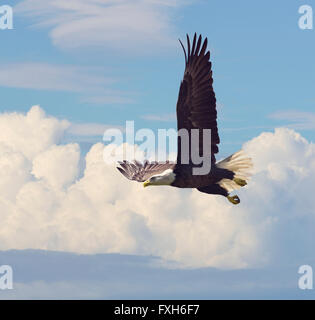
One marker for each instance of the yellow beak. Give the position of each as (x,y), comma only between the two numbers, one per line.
(146,183)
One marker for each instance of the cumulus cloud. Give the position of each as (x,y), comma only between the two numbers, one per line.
(44,205)
(47,165)
(138,25)
(32,133)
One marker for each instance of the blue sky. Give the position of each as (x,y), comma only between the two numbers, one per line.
(93,64)
(263,64)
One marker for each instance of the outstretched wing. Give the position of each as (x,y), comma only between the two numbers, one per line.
(143,171)
(196,105)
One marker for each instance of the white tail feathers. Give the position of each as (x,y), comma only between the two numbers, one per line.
(240,164)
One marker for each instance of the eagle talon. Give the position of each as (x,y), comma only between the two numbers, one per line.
(240,182)
(234,199)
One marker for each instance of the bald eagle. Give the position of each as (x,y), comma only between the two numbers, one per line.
(196,109)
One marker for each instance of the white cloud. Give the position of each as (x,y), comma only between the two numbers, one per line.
(45,76)
(58,165)
(138,25)
(299,120)
(90,129)
(32,133)
(163,117)
(93,86)
(44,205)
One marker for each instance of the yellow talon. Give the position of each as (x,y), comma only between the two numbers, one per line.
(240,182)
(234,199)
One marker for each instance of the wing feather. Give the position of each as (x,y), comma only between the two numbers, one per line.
(196,105)
(143,171)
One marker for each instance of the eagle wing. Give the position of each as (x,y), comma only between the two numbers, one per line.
(143,171)
(196,105)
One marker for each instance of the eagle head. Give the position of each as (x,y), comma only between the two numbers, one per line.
(163,179)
